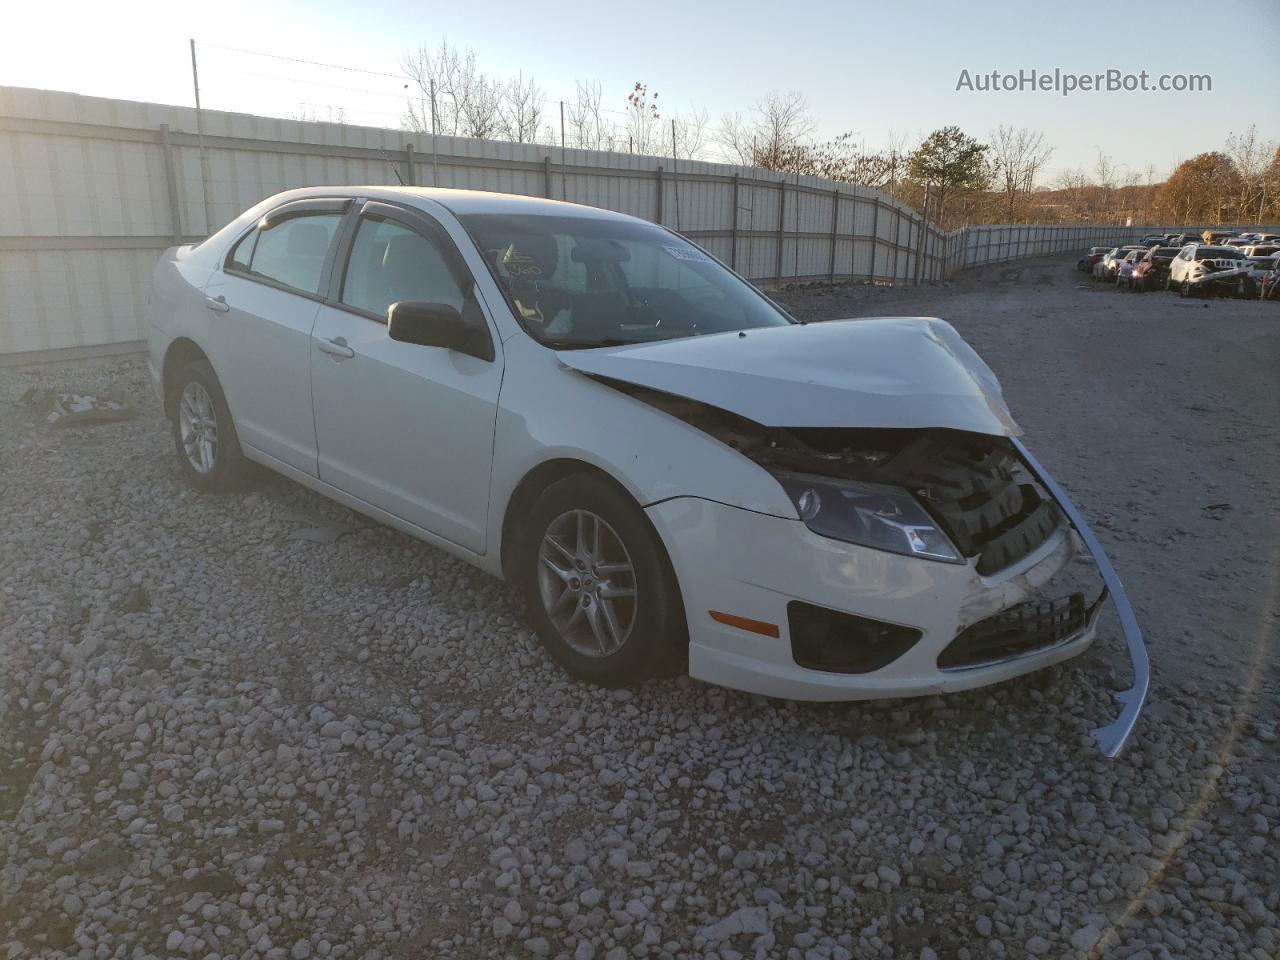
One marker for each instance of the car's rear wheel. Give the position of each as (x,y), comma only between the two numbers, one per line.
(204,435)
(600,590)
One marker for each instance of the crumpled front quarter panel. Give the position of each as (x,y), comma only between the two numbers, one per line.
(548,412)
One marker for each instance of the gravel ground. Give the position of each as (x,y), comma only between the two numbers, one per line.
(225,733)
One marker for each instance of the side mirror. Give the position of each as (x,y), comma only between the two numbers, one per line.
(427,324)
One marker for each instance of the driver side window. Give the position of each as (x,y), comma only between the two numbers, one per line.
(391,263)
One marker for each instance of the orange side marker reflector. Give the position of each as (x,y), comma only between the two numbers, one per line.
(742,623)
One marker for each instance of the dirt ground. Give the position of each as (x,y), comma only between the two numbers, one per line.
(262,726)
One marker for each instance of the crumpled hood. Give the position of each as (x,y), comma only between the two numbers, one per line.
(874,372)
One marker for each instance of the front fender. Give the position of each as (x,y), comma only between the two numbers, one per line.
(549,412)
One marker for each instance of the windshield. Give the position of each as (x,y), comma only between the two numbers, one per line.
(1218,253)
(582,282)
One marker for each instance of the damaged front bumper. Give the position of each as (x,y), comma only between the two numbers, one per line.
(926,627)
(1112,737)
(1219,279)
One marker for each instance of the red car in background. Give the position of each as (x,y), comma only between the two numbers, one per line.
(1151,272)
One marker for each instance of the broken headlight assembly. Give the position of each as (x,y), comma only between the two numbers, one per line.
(868,514)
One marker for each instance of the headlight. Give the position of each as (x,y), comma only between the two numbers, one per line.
(869,514)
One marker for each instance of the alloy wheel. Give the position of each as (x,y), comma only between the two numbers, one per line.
(587,583)
(198,426)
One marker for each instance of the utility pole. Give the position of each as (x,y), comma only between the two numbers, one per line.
(204,157)
(675,172)
(564,177)
(435,155)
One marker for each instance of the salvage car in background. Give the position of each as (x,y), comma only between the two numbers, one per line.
(1106,268)
(671,470)
(1125,268)
(1100,266)
(1152,271)
(1085,263)
(1207,270)
(1260,249)
(1269,286)
(1257,269)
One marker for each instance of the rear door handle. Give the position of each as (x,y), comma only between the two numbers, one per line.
(336,347)
(217,304)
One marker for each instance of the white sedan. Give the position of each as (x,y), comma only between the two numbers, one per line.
(676,473)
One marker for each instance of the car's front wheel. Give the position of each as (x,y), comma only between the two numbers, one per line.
(204,435)
(600,590)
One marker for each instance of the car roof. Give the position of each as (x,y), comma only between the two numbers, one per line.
(462,202)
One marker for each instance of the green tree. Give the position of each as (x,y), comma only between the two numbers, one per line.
(949,161)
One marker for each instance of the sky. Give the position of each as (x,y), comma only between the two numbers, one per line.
(880,70)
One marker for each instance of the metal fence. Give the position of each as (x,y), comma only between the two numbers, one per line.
(91,190)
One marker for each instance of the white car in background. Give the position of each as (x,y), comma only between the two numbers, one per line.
(1205,269)
(675,473)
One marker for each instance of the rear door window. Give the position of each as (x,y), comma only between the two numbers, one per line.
(290,252)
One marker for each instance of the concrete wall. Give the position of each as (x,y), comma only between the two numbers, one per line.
(91,190)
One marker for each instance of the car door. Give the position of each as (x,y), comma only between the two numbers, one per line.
(404,427)
(265,296)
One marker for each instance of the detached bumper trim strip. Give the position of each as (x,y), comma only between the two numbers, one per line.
(1111,738)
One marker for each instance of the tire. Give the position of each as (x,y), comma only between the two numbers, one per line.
(556,562)
(1184,290)
(211,460)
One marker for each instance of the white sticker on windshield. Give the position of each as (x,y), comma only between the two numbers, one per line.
(687,253)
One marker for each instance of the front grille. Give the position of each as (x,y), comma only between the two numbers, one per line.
(981,494)
(1021,629)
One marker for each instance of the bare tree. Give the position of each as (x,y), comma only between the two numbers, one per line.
(310,112)
(895,155)
(520,110)
(1104,175)
(736,140)
(451,95)
(776,135)
(642,119)
(1017,156)
(783,125)
(691,133)
(1252,158)
(585,117)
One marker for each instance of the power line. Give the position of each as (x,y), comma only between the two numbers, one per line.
(313,63)
(402,77)
(402,95)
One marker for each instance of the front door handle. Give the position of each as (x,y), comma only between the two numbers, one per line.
(336,347)
(217,304)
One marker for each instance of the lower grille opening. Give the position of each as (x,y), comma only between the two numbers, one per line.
(1019,630)
(823,639)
